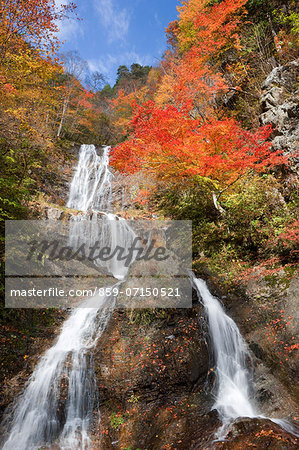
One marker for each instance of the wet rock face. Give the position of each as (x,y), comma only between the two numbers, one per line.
(164,354)
(65,214)
(18,363)
(271,327)
(151,369)
(151,374)
(257,433)
(280,107)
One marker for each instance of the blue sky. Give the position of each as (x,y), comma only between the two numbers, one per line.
(116,32)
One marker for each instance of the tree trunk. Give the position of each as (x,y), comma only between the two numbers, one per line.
(64,110)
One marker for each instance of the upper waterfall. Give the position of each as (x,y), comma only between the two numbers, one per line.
(91,184)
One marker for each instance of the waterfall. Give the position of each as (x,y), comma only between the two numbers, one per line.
(91,185)
(230,352)
(36,420)
(108,232)
(233,384)
(59,400)
(91,188)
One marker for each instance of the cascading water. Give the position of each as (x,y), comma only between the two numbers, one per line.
(58,403)
(233,397)
(36,421)
(108,232)
(91,185)
(91,188)
(233,388)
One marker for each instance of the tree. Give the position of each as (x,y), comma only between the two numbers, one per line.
(123,73)
(95,81)
(182,131)
(29,97)
(139,72)
(75,69)
(205,31)
(171,145)
(33,20)
(172,34)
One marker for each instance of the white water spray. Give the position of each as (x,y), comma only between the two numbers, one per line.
(37,420)
(109,232)
(57,405)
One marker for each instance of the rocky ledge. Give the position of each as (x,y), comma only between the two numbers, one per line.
(280,107)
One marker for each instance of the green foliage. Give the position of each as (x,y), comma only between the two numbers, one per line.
(139,72)
(131,448)
(122,73)
(116,420)
(134,77)
(107,91)
(15,184)
(257,7)
(24,168)
(11,199)
(133,399)
(146,316)
(291,21)
(256,212)
(263,9)
(189,200)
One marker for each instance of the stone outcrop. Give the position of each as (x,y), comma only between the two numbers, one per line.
(257,433)
(155,380)
(280,107)
(151,369)
(62,213)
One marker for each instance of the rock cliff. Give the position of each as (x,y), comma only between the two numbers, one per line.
(280,107)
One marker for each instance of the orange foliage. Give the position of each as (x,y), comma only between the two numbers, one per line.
(180,130)
(122,106)
(171,144)
(210,28)
(33,20)
(204,32)
(290,235)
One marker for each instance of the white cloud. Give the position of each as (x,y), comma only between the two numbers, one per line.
(115,20)
(68,27)
(103,65)
(157,19)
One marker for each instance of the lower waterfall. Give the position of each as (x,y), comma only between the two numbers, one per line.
(233,384)
(36,421)
(234,391)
